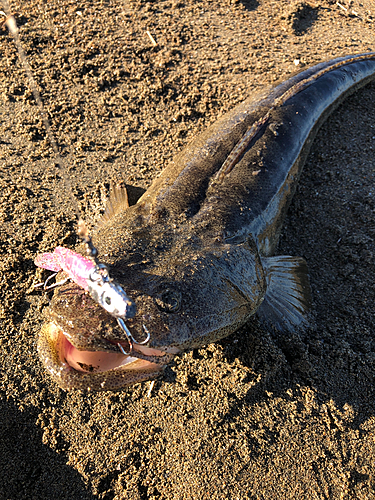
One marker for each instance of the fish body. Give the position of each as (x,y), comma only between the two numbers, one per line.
(196,252)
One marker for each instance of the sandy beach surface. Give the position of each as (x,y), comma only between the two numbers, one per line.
(258,415)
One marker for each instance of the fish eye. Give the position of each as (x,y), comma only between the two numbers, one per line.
(107,300)
(169,300)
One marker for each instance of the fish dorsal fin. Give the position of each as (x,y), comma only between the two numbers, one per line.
(117,202)
(288,298)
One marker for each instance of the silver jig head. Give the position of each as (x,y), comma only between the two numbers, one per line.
(108,294)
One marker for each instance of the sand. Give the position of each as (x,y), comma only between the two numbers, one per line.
(259,415)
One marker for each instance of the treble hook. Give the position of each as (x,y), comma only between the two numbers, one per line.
(131,340)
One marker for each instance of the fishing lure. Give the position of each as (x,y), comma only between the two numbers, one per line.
(95,279)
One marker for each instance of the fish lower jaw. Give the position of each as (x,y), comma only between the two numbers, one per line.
(96,370)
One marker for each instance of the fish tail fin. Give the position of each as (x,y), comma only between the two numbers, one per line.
(288,297)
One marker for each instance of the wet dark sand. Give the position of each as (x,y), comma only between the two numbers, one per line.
(258,415)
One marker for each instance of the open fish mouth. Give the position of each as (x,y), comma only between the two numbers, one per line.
(72,368)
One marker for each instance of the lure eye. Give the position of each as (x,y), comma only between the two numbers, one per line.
(107,300)
(169,300)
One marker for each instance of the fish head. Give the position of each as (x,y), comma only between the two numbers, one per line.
(80,346)
(197,294)
(187,295)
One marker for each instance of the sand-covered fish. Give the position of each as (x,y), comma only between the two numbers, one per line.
(196,253)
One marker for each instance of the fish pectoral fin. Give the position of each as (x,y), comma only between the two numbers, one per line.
(288,297)
(117,202)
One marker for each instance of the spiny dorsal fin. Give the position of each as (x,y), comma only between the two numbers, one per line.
(117,202)
(288,298)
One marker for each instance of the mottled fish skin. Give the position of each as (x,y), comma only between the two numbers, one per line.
(195,252)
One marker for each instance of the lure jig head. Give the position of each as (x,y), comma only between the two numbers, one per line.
(108,294)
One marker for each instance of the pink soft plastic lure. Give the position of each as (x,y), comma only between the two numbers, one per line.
(93,278)
(77,267)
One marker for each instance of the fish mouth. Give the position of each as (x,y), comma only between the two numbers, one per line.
(99,370)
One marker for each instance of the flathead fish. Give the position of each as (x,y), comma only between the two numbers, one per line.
(196,253)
